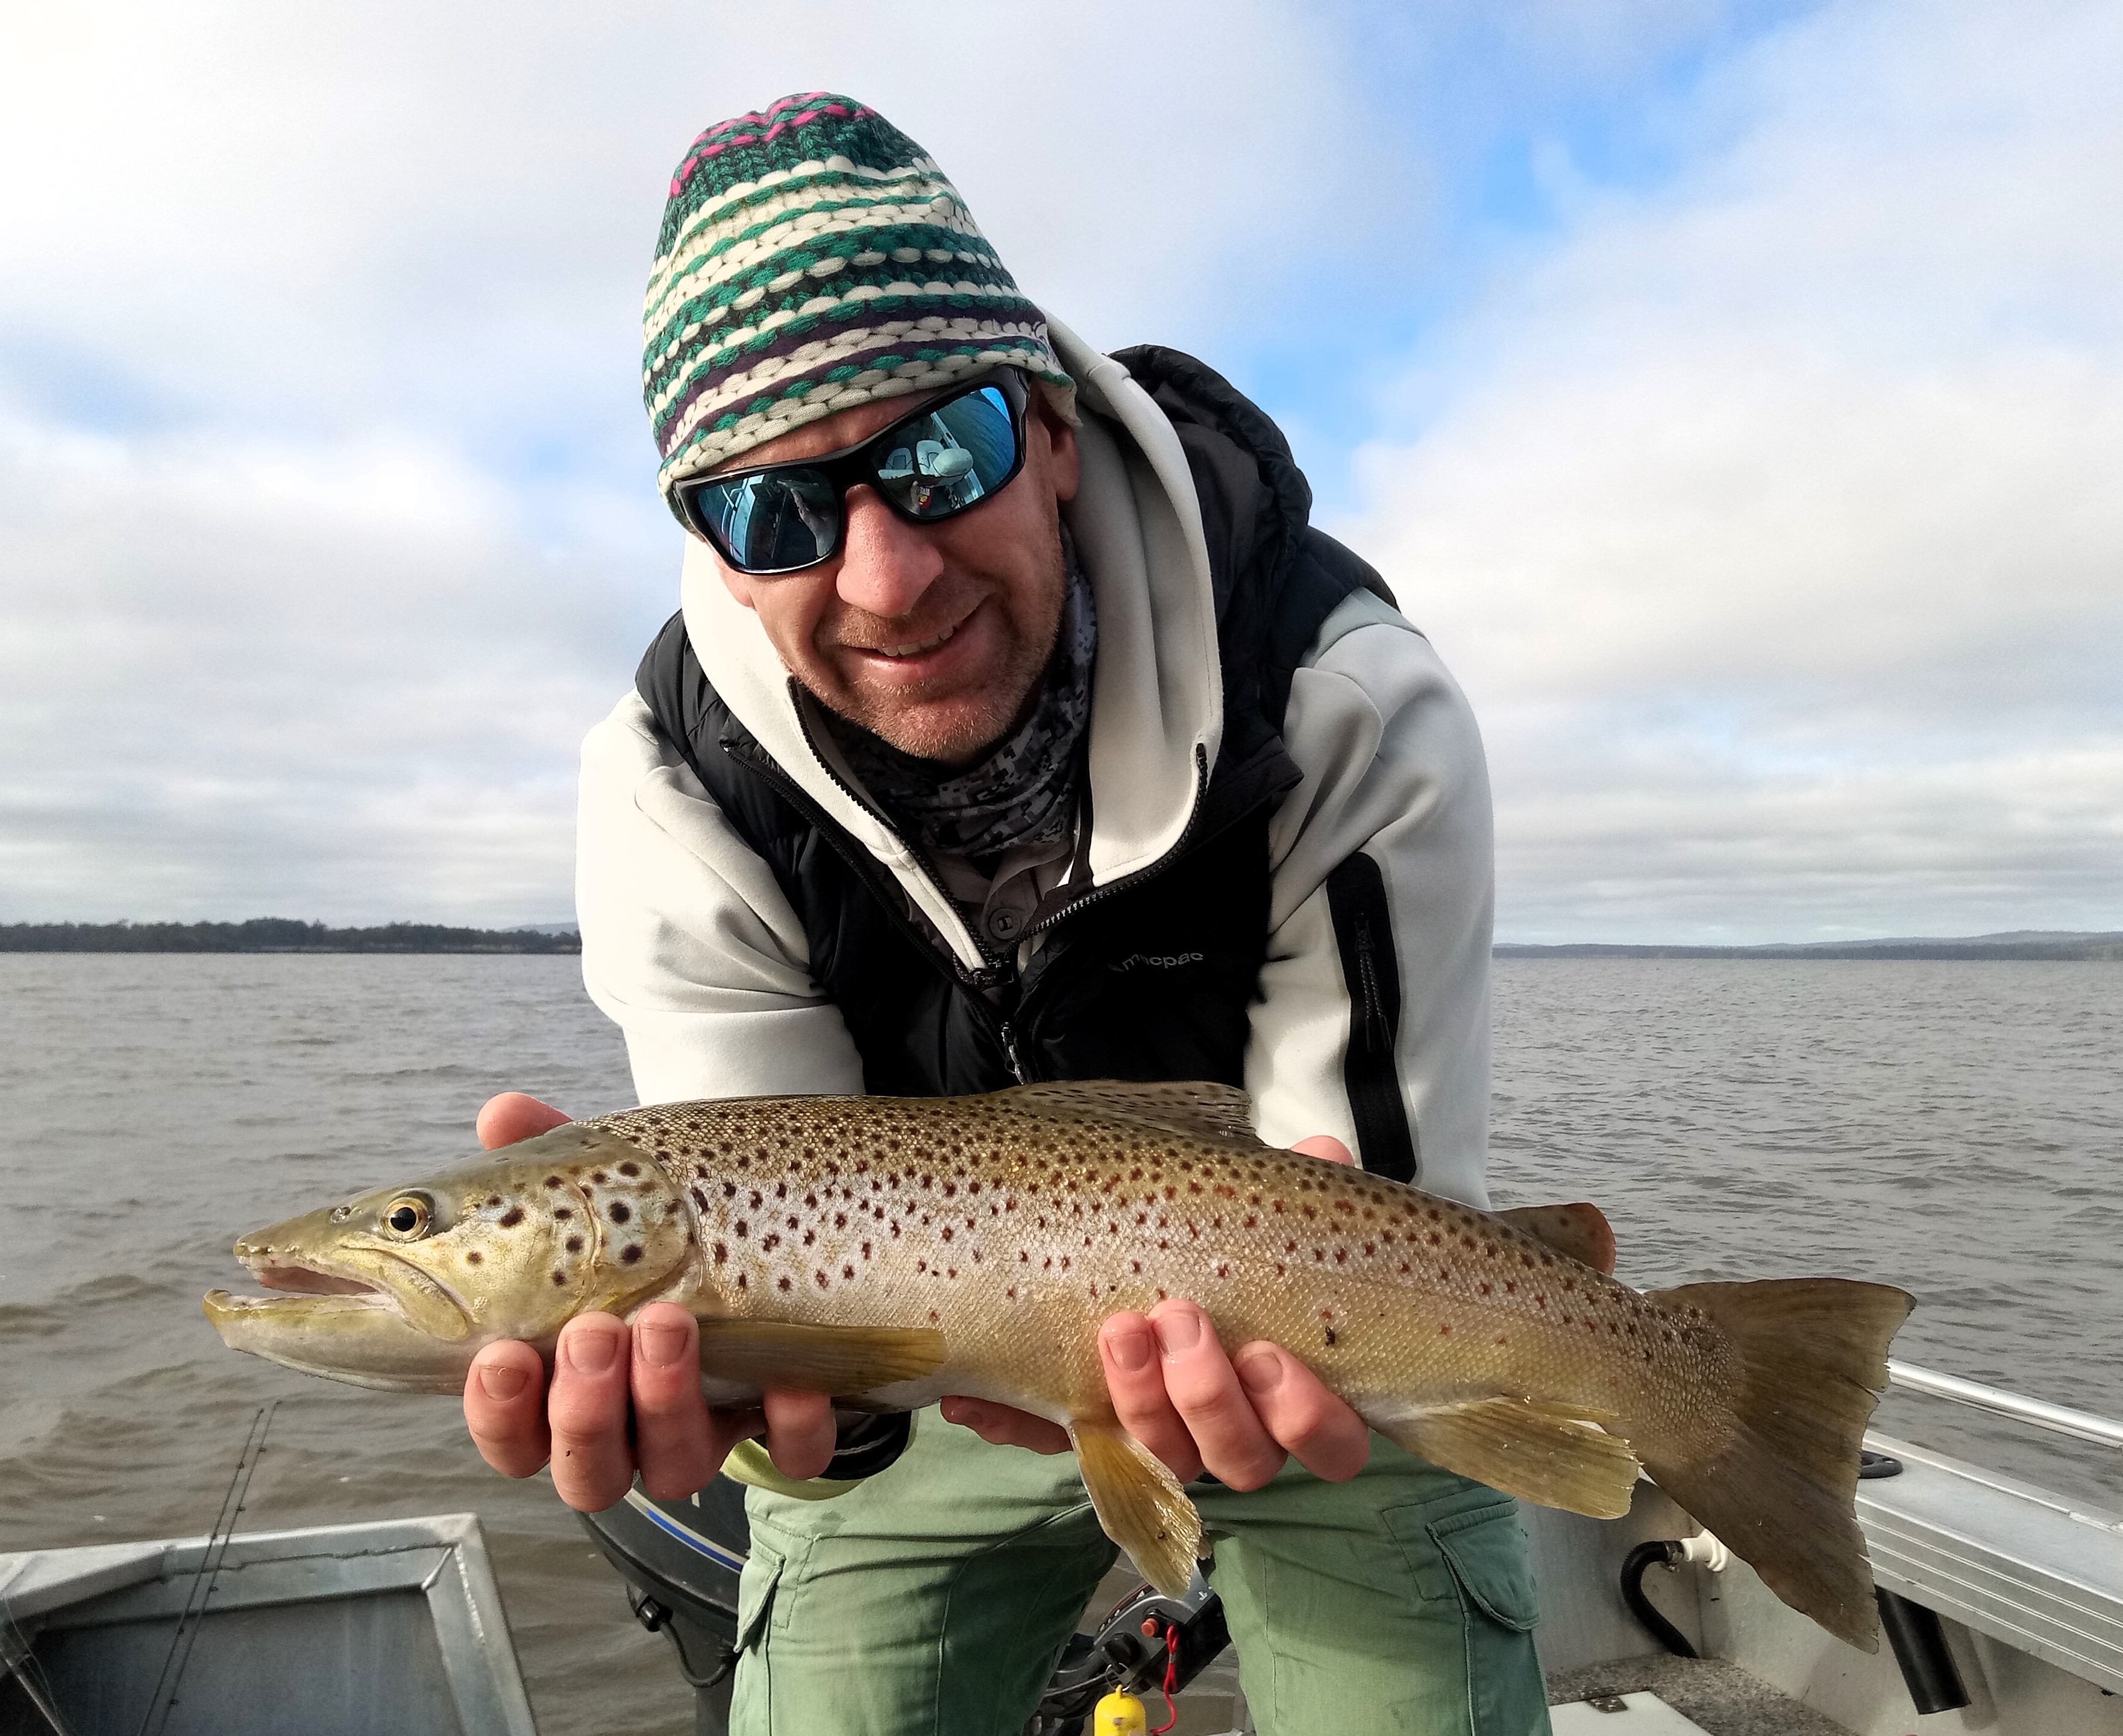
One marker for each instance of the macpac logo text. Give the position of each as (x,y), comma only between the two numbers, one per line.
(1159,961)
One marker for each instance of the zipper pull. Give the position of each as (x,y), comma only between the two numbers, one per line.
(1010,1052)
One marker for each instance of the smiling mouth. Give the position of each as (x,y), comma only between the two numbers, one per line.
(917,647)
(916,650)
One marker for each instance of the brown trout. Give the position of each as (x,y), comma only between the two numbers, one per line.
(887,1252)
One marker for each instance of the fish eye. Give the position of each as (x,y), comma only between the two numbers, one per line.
(407,1218)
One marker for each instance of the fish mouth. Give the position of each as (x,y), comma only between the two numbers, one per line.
(380,1279)
(310,1280)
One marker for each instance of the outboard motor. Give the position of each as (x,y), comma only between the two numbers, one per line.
(681,1560)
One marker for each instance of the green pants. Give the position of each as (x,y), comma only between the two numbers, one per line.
(933,1599)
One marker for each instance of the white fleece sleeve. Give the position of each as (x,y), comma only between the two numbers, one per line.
(688,944)
(1393,767)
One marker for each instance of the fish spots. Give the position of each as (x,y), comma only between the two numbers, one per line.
(741,1228)
(550,1181)
(474,1257)
(599,1177)
(630,1255)
(511,1218)
(574,1244)
(563,1212)
(619,1211)
(721,1252)
(630,1169)
(559,1279)
(821,1277)
(784,1284)
(1445,1330)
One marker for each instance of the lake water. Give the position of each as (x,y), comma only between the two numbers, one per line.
(1954,1128)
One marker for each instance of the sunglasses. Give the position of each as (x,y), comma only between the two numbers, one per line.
(943,459)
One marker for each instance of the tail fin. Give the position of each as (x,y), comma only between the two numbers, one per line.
(1781,1491)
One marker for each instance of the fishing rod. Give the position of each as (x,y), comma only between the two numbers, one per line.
(200,1592)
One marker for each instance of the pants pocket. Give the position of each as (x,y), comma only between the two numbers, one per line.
(755,1596)
(1471,1556)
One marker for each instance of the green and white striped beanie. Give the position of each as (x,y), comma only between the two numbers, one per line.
(813,258)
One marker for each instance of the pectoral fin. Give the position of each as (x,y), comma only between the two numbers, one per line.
(837,1360)
(1553,1455)
(1580,1232)
(1139,1502)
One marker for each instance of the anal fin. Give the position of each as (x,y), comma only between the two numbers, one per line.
(841,1361)
(1552,1455)
(1139,1502)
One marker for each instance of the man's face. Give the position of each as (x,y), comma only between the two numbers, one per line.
(932,636)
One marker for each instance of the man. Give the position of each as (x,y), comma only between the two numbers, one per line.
(1017,725)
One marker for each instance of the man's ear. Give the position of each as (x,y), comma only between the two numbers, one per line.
(1064,462)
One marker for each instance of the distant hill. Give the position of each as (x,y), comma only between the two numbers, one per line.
(2037,943)
(276,934)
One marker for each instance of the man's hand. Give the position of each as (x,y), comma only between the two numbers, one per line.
(602,1374)
(1176,1392)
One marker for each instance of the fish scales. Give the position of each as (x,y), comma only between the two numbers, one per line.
(888,1251)
(894,1213)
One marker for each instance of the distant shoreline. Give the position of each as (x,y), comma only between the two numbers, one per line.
(280,935)
(275,935)
(2097,948)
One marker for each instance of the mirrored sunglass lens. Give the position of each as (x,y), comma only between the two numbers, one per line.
(958,453)
(787,518)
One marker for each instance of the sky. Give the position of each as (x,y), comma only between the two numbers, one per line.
(1733,392)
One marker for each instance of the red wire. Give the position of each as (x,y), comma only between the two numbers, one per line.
(1171,1679)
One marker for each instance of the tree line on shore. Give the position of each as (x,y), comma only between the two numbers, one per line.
(273,934)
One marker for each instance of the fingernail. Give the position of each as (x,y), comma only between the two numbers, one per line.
(1130,1349)
(1261,1372)
(1178,1331)
(660,1346)
(591,1353)
(497,1380)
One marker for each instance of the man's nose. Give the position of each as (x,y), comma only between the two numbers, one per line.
(886,563)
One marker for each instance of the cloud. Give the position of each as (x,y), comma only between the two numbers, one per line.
(327,523)
(1770,520)
(240,680)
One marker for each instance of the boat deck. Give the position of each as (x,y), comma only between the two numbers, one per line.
(1722,1698)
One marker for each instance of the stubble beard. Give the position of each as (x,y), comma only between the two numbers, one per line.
(959,730)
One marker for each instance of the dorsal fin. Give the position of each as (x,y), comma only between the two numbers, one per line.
(1197,1108)
(1580,1231)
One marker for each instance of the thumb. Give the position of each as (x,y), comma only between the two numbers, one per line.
(1324,1146)
(513,1116)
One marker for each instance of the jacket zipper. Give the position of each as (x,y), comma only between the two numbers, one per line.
(1375,1011)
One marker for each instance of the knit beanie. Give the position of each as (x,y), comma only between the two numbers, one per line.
(813,258)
